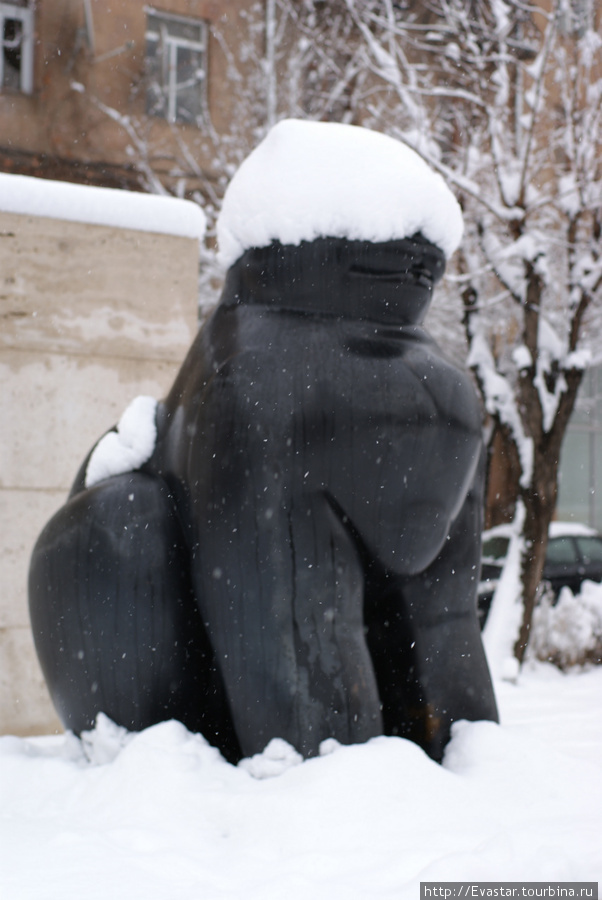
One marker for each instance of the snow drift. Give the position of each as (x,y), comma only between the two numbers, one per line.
(160,814)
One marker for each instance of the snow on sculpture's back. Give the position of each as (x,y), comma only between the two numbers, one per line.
(306,180)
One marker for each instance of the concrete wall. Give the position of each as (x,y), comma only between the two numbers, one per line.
(90,317)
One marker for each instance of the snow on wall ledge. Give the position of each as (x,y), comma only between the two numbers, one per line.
(324,179)
(101,206)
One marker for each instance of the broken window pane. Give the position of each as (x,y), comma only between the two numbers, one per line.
(12,37)
(16,51)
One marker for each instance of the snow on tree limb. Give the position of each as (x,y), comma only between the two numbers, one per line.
(500,402)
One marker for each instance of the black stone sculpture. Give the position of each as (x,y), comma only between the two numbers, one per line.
(299,557)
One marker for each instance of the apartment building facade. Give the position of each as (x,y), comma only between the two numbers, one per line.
(119,93)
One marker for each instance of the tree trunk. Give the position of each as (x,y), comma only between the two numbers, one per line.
(503,475)
(540,504)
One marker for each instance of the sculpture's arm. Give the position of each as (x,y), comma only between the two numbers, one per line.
(429,656)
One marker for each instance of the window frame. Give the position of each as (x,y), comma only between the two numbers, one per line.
(168,59)
(25,15)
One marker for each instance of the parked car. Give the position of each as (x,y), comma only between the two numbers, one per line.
(574,555)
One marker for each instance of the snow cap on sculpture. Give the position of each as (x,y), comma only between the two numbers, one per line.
(323,179)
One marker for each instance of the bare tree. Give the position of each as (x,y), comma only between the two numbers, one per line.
(505,99)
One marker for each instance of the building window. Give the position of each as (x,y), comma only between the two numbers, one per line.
(16,59)
(176,56)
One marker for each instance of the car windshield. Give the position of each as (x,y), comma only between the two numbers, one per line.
(561,550)
(495,547)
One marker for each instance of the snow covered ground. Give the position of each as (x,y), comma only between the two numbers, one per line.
(160,815)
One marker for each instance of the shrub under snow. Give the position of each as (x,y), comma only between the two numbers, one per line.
(569,633)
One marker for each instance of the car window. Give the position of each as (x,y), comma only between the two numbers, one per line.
(561,551)
(590,549)
(495,547)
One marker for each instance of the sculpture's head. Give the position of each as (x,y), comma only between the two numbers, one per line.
(390,282)
(354,208)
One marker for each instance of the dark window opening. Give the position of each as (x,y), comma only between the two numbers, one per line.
(16,59)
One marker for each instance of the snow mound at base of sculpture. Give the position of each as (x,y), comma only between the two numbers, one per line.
(323,179)
(160,814)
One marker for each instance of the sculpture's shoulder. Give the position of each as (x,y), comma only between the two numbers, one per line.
(449,386)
